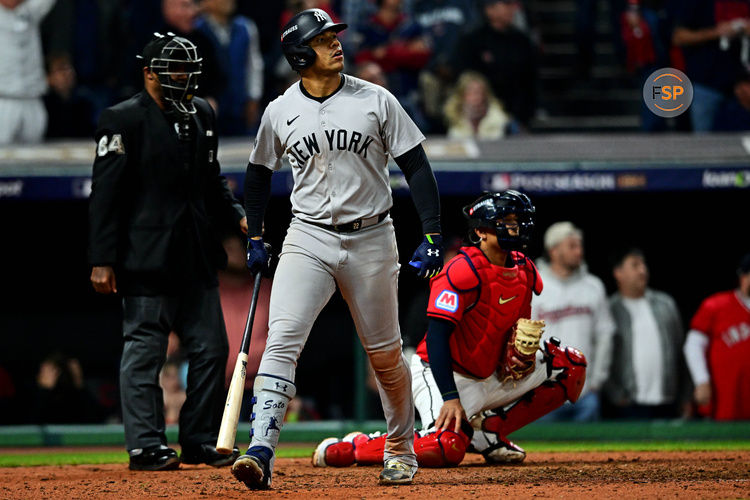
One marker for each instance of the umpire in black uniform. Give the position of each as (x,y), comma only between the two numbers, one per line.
(157,199)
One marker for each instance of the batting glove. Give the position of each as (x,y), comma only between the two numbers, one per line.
(428,258)
(257,256)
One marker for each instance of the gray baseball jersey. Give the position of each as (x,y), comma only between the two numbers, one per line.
(338,149)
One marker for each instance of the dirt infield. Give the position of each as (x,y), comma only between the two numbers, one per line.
(630,475)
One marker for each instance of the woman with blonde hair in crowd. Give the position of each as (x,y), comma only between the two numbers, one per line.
(473,111)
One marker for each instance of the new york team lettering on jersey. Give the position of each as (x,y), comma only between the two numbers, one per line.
(484,301)
(338,149)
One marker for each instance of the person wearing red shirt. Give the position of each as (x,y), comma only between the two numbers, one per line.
(717,348)
(479,373)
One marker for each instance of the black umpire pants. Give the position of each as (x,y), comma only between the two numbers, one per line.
(195,316)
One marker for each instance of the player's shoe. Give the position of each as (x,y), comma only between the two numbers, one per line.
(254,468)
(154,458)
(504,451)
(397,472)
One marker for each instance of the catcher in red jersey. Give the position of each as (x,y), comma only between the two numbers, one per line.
(717,348)
(480,372)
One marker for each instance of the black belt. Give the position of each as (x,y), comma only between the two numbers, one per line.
(354,225)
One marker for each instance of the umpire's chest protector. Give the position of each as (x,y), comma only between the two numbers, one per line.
(500,296)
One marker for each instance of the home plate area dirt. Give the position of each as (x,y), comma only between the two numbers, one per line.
(595,475)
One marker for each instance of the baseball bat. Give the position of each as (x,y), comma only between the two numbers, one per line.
(228,429)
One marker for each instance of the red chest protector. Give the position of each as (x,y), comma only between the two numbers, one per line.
(489,300)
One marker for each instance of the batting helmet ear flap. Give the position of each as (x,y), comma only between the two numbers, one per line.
(300,56)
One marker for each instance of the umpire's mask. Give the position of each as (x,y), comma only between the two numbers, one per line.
(176,63)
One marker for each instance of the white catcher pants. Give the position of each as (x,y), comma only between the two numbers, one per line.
(476,395)
(364,265)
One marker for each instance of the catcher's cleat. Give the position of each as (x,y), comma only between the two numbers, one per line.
(254,468)
(396,472)
(504,451)
(154,458)
(331,452)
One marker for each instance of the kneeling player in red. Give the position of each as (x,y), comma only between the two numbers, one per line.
(481,356)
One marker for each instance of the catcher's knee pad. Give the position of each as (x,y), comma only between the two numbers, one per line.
(569,364)
(566,370)
(444,448)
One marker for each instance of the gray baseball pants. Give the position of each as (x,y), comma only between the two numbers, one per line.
(364,265)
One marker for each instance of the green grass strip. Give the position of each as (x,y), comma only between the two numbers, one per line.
(117,457)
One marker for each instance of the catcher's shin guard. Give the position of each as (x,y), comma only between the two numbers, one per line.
(566,373)
(434,449)
(443,448)
(332,452)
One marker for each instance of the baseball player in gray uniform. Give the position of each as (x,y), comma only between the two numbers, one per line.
(337,133)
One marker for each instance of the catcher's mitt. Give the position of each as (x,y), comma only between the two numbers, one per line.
(520,354)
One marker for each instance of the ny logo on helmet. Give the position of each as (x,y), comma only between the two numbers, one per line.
(319,16)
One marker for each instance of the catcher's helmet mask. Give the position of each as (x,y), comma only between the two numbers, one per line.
(176,63)
(489,210)
(298,32)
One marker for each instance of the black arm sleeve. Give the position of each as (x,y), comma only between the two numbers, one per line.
(257,194)
(424,190)
(439,353)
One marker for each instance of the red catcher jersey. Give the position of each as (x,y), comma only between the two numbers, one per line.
(726,321)
(484,301)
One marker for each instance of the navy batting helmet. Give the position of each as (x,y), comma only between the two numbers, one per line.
(302,28)
(488,211)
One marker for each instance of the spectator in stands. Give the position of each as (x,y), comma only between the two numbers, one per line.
(442,22)
(60,395)
(391,39)
(648,375)
(711,34)
(717,349)
(92,34)
(70,115)
(236,291)
(373,73)
(23,117)
(173,390)
(574,306)
(473,112)
(236,44)
(505,56)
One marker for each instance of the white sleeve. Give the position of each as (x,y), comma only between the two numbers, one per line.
(399,131)
(267,149)
(696,345)
(37,9)
(254,63)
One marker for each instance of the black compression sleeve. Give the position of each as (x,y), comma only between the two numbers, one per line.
(439,353)
(424,190)
(257,194)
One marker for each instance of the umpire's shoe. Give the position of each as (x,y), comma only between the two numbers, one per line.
(396,472)
(206,454)
(154,458)
(254,468)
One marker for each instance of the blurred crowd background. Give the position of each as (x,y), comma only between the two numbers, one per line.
(482,69)
(466,68)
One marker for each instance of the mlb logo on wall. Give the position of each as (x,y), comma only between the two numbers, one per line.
(447,301)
